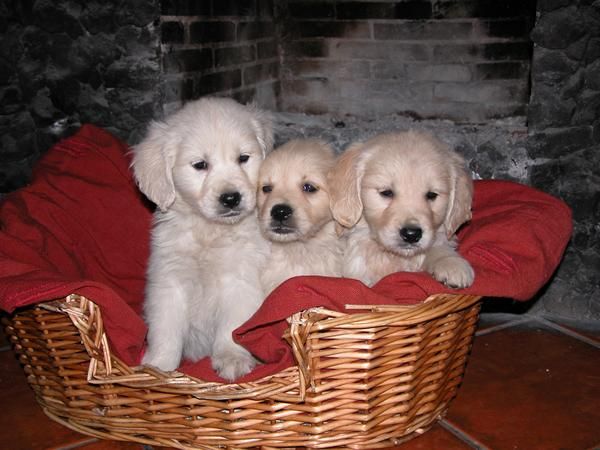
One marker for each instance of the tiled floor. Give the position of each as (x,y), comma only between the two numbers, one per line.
(530,384)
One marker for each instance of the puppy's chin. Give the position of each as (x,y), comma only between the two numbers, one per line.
(229,218)
(406,250)
(226,217)
(282,234)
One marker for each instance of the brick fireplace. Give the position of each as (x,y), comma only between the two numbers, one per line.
(512,85)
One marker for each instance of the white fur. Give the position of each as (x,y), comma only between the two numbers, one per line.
(206,258)
(380,189)
(306,242)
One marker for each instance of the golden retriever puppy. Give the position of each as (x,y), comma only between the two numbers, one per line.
(200,167)
(294,214)
(403,196)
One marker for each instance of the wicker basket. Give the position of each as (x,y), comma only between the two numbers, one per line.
(365,380)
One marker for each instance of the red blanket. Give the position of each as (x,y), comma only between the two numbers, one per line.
(82,227)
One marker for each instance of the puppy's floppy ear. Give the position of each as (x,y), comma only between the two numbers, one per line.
(461,195)
(344,184)
(262,122)
(153,161)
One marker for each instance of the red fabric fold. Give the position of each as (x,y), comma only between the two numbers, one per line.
(82,227)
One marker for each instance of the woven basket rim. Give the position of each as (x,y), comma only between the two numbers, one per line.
(288,385)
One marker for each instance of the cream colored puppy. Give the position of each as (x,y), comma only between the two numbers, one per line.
(201,167)
(403,196)
(294,214)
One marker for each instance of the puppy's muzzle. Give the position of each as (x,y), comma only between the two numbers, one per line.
(281,218)
(411,235)
(230,199)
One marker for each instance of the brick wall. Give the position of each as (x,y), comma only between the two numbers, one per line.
(221,47)
(463,60)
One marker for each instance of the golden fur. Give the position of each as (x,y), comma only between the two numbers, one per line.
(294,214)
(402,196)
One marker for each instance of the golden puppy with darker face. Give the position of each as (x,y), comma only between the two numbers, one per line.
(402,196)
(294,214)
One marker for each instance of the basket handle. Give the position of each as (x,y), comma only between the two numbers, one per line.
(106,368)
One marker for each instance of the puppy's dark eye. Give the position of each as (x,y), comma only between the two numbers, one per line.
(307,187)
(388,193)
(244,158)
(267,188)
(200,165)
(431,196)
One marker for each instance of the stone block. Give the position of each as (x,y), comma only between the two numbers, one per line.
(265,8)
(255,30)
(11,99)
(229,56)
(389,70)
(501,70)
(307,48)
(204,32)
(559,142)
(411,9)
(559,28)
(234,8)
(482,92)
(508,28)
(379,50)
(171,33)
(422,31)
(500,51)
(217,82)
(188,60)
(483,9)
(58,17)
(184,8)
(587,110)
(552,66)
(260,72)
(140,13)
(311,68)
(592,51)
(178,90)
(346,29)
(592,76)
(312,10)
(266,49)
(438,72)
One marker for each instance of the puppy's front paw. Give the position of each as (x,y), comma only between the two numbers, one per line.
(165,362)
(454,272)
(233,363)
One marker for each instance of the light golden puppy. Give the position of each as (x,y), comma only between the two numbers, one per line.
(403,196)
(294,214)
(200,166)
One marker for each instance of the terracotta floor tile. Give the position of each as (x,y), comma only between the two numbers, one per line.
(530,387)
(23,424)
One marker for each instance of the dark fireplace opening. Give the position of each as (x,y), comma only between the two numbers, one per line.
(512,85)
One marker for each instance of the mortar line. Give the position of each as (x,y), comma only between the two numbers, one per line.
(469,440)
(568,332)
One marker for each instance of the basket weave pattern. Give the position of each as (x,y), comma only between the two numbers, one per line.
(365,380)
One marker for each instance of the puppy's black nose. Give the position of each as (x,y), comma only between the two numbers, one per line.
(281,212)
(410,234)
(230,199)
